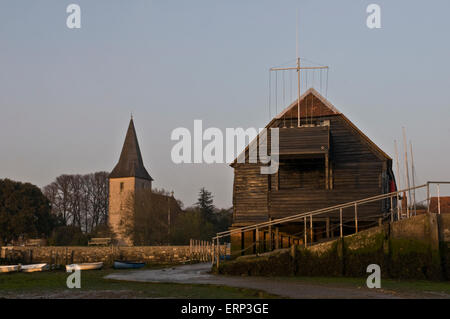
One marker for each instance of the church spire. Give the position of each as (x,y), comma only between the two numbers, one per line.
(130,163)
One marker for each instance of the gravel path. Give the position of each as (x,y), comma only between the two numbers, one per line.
(198,274)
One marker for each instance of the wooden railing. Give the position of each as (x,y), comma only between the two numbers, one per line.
(395,213)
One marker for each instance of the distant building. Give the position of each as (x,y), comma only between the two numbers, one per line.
(326,161)
(441,204)
(127,176)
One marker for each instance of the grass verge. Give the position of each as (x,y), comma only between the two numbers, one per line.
(52,284)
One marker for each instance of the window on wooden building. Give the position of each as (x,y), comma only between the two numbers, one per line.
(302,173)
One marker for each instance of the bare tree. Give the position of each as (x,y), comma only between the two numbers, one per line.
(80,200)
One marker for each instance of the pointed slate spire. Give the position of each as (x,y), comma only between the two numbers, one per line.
(130,163)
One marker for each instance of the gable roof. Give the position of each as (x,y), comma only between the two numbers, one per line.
(130,162)
(325,108)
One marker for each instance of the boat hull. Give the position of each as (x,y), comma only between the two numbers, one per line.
(84,266)
(10,268)
(34,267)
(128,265)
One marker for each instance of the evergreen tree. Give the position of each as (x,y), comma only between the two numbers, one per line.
(205,205)
(24,212)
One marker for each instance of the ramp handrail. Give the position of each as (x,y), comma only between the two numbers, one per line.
(339,207)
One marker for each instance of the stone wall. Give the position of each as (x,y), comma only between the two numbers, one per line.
(70,255)
(417,248)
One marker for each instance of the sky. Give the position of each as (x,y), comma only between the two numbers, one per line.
(66,95)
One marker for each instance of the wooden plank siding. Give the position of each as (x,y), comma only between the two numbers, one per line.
(304,140)
(355,170)
(250,195)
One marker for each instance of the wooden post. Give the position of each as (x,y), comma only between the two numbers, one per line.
(340,222)
(277,239)
(331,176)
(242,243)
(439,199)
(392,209)
(257,240)
(218,253)
(305,232)
(213,252)
(202,250)
(380,221)
(327,226)
(356,217)
(311,228)
(265,248)
(326,172)
(270,237)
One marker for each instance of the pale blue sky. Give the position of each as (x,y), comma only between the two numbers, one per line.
(66,95)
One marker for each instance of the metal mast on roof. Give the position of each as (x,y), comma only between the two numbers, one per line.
(406,173)
(298,68)
(413,173)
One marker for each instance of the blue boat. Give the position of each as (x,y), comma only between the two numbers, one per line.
(120,264)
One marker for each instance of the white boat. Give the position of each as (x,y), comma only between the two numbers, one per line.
(10,268)
(34,267)
(84,266)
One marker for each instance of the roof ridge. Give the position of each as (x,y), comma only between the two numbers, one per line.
(303,96)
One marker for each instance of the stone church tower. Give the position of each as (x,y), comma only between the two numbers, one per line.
(127,176)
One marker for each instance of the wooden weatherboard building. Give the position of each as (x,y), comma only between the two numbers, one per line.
(325,162)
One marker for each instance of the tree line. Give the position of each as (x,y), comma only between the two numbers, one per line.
(74,208)
(157,219)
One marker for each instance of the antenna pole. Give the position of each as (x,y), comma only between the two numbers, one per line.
(398,177)
(298,72)
(298,91)
(296,35)
(298,68)
(412,175)
(406,171)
